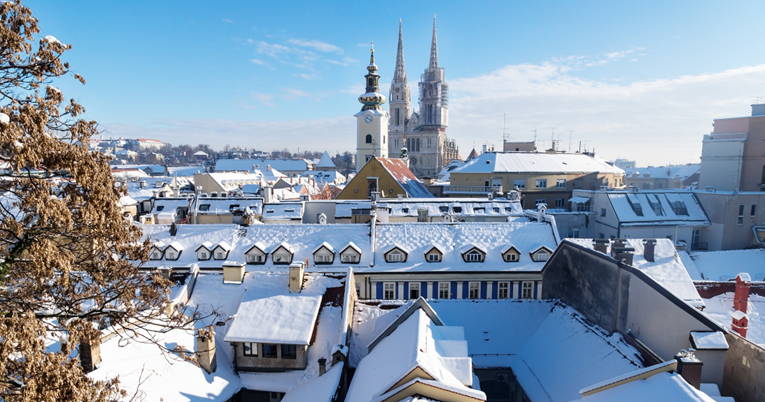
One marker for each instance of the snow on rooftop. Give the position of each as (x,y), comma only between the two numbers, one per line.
(725,265)
(452,238)
(285,318)
(709,340)
(681,172)
(344,209)
(719,308)
(436,208)
(656,208)
(497,162)
(408,181)
(303,239)
(553,351)
(223,165)
(660,387)
(318,389)
(667,268)
(417,342)
(325,161)
(282,211)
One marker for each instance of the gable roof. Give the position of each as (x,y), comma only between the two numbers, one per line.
(528,162)
(408,181)
(420,304)
(325,161)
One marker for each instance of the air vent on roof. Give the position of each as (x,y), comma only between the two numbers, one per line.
(488,162)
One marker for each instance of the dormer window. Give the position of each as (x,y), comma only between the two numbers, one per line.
(282,254)
(220,252)
(396,255)
(256,254)
(474,254)
(351,254)
(434,258)
(204,207)
(511,258)
(434,255)
(203,255)
(457,210)
(541,254)
(510,254)
(156,254)
(324,254)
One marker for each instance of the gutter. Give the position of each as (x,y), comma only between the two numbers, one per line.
(372,231)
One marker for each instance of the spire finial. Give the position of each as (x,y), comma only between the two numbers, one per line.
(399,76)
(434,48)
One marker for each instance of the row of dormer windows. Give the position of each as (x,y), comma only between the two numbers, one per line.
(541,254)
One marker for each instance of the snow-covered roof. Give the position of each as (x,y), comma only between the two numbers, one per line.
(454,238)
(325,161)
(162,204)
(667,268)
(324,176)
(223,165)
(274,315)
(218,206)
(154,168)
(656,208)
(283,211)
(318,389)
(303,239)
(553,351)
(185,170)
(725,265)
(532,162)
(681,172)
(126,201)
(344,209)
(664,386)
(326,245)
(709,340)
(441,352)
(408,181)
(456,208)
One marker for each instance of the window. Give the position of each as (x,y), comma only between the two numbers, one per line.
(396,256)
(350,258)
(602,212)
(503,290)
(646,186)
(474,256)
(269,350)
(593,183)
(434,257)
(541,183)
(369,139)
(233,207)
(203,255)
(414,290)
(405,210)
(457,210)
(254,258)
(160,208)
(560,183)
(753,211)
(474,291)
(511,257)
(204,207)
(560,203)
(521,184)
(389,291)
(528,290)
(541,256)
(220,255)
(573,233)
(289,352)
(495,209)
(443,290)
(741,214)
(250,349)
(323,258)
(479,210)
(540,201)
(443,208)
(170,255)
(659,185)
(578,183)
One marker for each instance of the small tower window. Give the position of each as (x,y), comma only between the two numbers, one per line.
(369,138)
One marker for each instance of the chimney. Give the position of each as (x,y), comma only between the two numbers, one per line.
(233,272)
(297,271)
(617,243)
(689,367)
(90,354)
(268,168)
(206,349)
(740,322)
(649,246)
(322,366)
(173,229)
(623,254)
(600,245)
(741,298)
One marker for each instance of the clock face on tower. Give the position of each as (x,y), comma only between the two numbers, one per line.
(368,118)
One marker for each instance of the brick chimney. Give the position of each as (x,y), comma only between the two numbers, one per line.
(623,254)
(90,354)
(740,322)
(206,349)
(322,366)
(689,367)
(297,271)
(649,246)
(741,298)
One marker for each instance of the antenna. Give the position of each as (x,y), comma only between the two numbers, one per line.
(552,137)
(570,133)
(505,137)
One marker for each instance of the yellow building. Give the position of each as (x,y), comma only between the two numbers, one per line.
(391,177)
(541,177)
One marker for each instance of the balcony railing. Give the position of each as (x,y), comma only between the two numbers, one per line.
(472,189)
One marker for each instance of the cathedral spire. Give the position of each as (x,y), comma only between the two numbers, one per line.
(433,48)
(400,75)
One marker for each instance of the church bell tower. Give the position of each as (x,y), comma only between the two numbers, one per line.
(372,120)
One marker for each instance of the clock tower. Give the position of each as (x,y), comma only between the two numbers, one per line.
(372,120)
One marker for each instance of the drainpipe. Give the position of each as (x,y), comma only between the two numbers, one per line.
(372,238)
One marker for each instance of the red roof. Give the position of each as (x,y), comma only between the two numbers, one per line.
(408,181)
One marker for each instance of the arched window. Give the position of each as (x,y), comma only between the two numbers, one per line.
(372,187)
(369,138)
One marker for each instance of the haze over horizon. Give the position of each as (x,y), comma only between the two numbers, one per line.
(640,81)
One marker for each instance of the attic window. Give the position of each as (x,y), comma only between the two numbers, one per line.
(203,255)
(396,256)
(479,210)
(474,256)
(233,207)
(443,208)
(457,210)
(204,207)
(511,257)
(350,258)
(541,256)
(160,208)
(269,211)
(289,210)
(495,209)
(405,210)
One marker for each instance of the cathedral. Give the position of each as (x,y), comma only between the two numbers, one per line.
(418,136)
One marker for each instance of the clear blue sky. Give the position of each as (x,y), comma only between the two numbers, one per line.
(622,75)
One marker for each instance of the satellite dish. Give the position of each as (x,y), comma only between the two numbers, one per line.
(322,219)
